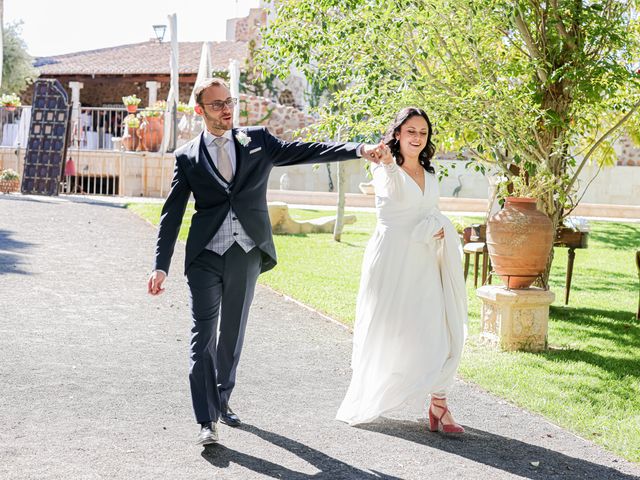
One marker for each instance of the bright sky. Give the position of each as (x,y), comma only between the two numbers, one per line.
(64,26)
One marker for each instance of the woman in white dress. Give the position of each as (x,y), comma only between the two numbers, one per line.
(411,310)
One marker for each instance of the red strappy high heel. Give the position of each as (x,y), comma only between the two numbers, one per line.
(436,424)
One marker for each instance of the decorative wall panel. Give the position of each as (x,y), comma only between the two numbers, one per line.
(47,145)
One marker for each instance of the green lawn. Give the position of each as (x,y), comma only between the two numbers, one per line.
(588,381)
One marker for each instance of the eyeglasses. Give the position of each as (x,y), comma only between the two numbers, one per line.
(218,105)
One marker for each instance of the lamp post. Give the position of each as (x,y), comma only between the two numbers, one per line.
(159,31)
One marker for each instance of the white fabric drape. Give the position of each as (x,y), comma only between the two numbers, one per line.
(174,94)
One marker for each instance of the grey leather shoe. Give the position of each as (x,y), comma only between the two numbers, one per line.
(208,434)
(229,418)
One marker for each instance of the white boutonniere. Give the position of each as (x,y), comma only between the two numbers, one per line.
(243,138)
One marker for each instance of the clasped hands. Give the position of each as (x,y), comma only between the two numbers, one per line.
(379,153)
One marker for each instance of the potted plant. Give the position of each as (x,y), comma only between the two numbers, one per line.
(9,181)
(10,101)
(151,129)
(130,139)
(160,105)
(184,108)
(151,112)
(131,102)
(132,121)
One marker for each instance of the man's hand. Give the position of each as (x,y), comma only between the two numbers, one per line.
(156,279)
(370,152)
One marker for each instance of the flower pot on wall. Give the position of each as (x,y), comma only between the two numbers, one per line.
(130,140)
(519,239)
(151,131)
(8,186)
(132,108)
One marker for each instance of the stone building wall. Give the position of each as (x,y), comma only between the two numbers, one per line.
(628,152)
(248,28)
(281,120)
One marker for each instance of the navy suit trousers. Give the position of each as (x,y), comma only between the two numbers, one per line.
(222,288)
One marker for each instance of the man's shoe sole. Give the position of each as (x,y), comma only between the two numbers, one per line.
(231,423)
(207,441)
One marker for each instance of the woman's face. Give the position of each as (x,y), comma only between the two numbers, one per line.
(413,136)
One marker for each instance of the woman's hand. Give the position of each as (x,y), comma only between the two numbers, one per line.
(439,234)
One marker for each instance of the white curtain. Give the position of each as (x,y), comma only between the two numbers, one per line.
(204,69)
(172,98)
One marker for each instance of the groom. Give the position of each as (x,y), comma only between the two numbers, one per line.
(229,242)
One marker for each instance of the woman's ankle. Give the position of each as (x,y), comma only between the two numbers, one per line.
(439,401)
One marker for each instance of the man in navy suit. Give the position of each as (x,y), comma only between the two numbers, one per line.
(229,242)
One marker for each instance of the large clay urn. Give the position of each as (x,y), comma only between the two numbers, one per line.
(519,240)
(150,133)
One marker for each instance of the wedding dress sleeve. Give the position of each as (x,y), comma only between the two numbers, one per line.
(387,181)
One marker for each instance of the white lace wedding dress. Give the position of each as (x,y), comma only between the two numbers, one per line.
(411,310)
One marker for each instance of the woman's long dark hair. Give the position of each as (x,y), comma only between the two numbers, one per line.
(427,152)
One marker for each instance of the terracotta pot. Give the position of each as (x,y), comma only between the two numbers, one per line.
(8,186)
(519,239)
(132,108)
(131,140)
(150,132)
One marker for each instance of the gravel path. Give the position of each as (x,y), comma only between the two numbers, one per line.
(93,377)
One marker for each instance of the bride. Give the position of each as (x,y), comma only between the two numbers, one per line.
(411,310)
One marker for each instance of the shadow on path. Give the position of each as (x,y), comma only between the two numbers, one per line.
(330,468)
(107,201)
(12,252)
(499,452)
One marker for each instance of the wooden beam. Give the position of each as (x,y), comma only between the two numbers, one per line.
(183,78)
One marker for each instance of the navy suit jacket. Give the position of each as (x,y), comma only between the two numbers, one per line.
(247,193)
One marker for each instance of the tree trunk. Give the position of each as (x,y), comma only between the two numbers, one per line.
(555,221)
(337,230)
(555,150)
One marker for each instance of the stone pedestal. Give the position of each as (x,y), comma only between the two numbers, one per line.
(515,319)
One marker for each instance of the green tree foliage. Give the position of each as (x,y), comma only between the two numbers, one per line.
(540,85)
(17,68)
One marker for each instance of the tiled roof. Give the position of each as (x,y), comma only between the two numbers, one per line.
(141,58)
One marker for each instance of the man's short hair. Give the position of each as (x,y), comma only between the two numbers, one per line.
(206,83)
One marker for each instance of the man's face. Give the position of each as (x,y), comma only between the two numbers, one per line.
(219,121)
